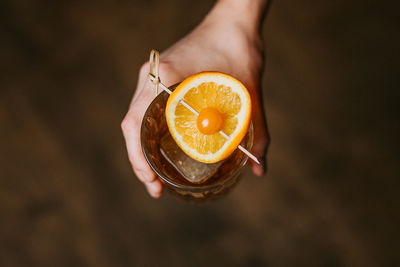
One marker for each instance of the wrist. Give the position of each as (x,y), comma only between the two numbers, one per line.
(248,14)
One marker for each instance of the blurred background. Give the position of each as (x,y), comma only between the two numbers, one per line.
(68,196)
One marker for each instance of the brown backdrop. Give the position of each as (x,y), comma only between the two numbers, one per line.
(68,196)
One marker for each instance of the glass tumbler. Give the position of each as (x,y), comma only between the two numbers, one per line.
(154,127)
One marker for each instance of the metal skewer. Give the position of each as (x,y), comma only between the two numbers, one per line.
(165,88)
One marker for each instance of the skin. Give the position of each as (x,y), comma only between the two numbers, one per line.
(227,40)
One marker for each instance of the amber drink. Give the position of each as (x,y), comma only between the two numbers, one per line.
(182,175)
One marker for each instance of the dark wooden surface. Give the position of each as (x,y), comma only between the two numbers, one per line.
(68,196)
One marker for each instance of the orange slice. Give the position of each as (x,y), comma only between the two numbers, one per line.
(223,104)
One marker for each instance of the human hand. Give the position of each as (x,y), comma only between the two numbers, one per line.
(228,41)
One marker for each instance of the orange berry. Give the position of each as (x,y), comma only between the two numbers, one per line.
(209,121)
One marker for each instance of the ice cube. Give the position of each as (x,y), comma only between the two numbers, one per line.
(192,170)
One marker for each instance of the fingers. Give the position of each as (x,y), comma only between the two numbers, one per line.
(131,129)
(131,126)
(259,147)
(259,152)
(261,136)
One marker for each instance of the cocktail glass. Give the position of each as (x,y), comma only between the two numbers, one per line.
(173,167)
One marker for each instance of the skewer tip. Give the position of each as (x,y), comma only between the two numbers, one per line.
(249,154)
